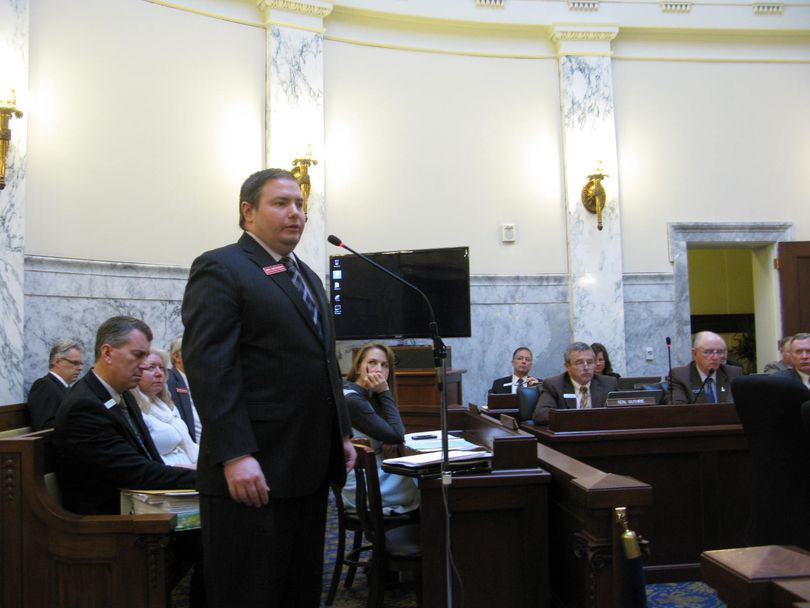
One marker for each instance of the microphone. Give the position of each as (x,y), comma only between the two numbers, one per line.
(669,360)
(703,386)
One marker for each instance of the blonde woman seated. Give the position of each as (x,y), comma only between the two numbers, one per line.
(168,431)
(370,392)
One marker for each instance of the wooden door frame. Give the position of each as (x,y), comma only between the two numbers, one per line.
(685,235)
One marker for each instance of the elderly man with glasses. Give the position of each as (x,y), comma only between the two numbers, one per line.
(578,388)
(706,379)
(65,366)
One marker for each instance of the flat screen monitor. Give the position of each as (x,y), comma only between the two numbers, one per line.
(369,304)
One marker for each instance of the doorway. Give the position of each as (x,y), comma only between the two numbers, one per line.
(759,239)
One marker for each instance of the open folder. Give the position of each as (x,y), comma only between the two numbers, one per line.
(429,464)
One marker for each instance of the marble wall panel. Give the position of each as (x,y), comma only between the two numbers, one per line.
(14,33)
(70,298)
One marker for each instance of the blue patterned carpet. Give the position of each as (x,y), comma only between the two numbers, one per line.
(668,595)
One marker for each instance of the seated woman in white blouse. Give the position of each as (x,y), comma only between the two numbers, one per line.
(168,431)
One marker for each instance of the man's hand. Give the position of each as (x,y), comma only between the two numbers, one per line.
(532,381)
(246,481)
(349,454)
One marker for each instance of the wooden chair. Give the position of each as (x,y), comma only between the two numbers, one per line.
(393,546)
(770,409)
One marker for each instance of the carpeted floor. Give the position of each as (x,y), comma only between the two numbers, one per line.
(668,595)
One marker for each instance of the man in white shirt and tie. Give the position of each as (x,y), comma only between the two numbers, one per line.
(706,379)
(578,388)
(522,360)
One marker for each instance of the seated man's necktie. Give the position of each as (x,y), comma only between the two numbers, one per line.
(711,394)
(584,401)
(122,406)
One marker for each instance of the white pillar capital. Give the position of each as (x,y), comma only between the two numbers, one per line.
(300,14)
(573,39)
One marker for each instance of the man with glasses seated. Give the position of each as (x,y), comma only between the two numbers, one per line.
(65,366)
(706,379)
(578,388)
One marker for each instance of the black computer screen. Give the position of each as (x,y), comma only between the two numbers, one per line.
(367,303)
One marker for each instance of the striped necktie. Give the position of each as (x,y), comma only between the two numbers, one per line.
(122,406)
(584,401)
(300,286)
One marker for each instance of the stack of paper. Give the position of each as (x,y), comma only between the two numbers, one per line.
(431,458)
(183,503)
(431,441)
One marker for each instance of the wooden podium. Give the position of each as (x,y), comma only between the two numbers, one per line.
(418,394)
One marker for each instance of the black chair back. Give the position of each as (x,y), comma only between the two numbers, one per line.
(770,409)
(527,401)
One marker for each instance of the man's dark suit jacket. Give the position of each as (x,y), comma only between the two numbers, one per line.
(686,384)
(556,387)
(264,380)
(789,373)
(502,385)
(44,399)
(98,453)
(182,400)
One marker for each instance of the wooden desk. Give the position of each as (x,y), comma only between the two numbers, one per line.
(695,457)
(499,530)
(418,397)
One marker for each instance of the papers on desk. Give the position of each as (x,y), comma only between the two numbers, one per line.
(421,460)
(431,441)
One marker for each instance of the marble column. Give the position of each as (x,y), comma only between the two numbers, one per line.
(596,297)
(13,75)
(294,106)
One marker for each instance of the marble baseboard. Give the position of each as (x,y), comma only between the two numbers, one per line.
(69,298)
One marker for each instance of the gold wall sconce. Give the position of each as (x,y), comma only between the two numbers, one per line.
(593,195)
(8,108)
(300,171)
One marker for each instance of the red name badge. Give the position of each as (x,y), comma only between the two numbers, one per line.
(274,269)
(182,391)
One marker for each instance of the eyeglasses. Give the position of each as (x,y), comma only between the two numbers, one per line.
(584,364)
(153,368)
(713,352)
(74,363)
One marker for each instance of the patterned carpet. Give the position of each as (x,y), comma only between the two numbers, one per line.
(667,595)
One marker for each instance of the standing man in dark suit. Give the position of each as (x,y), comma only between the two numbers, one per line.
(259,350)
(578,388)
(521,366)
(65,366)
(102,443)
(799,347)
(177,383)
(706,379)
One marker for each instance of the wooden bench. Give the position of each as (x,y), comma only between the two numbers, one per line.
(50,557)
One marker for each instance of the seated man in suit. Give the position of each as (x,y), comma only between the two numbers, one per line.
(177,383)
(46,394)
(799,348)
(521,365)
(578,388)
(706,379)
(784,362)
(102,443)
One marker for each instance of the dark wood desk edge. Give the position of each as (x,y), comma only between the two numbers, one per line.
(589,486)
(427,371)
(623,434)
